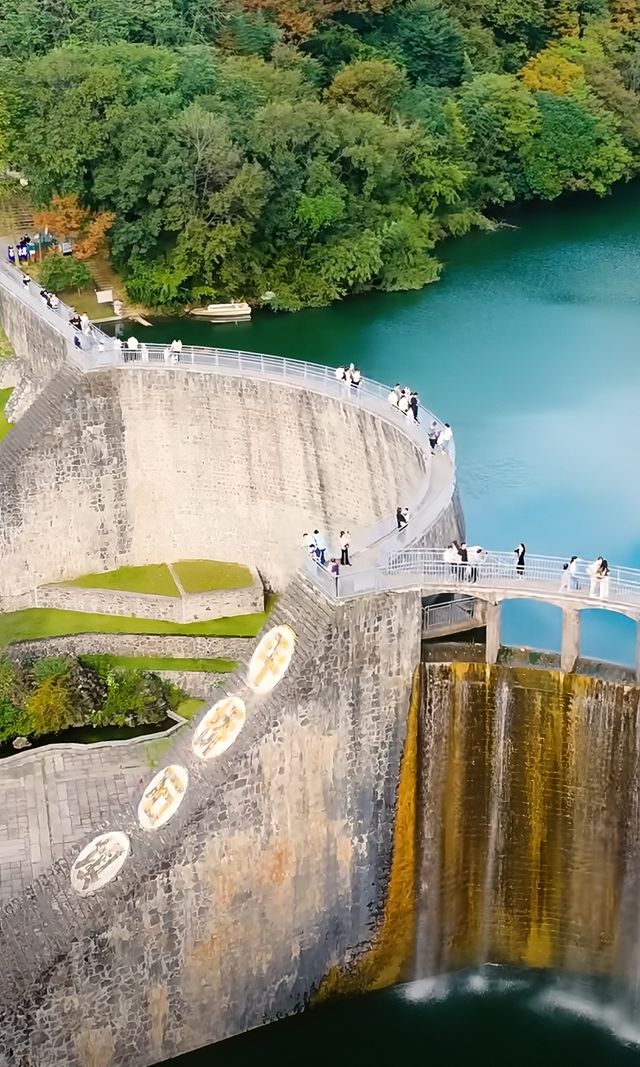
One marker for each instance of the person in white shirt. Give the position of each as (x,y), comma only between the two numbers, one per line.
(321,545)
(403,404)
(356,377)
(393,398)
(445,437)
(475,555)
(450,556)
(568,577)
(341,374)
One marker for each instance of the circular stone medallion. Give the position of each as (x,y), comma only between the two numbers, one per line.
(219,728)
(271,659)
(99,862)
(163,796)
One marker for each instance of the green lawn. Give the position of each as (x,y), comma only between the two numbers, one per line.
(190,707)
(203,575)
(5,425)
(162,663)
(153,578)
(34,623)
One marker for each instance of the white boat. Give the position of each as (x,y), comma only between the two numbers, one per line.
(236,311)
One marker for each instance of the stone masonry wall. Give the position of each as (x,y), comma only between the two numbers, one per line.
(133,645)
(134,466)
(273,870)
(216,604)
(40,349)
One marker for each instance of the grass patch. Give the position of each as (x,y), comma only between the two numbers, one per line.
(34,623)
(5,425)
(161,663)
(203,575)
(190,707)
(154,578)
(6,349)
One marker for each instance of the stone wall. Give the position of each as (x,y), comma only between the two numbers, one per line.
(133,466)
(216,604)
(40,349)
(133,645)
(273,870)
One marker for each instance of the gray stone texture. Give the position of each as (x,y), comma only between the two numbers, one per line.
(192,607)
(274,868)
(133,645)
(40,349)
(131,466)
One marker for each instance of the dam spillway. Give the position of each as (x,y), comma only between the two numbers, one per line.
(529,821)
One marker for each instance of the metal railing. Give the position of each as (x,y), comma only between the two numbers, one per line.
(12,279)
(452,613)
(498,571)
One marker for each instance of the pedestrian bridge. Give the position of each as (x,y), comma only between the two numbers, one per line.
(494,581)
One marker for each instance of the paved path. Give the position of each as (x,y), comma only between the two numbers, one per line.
(52,800)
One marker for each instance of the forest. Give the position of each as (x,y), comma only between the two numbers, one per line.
(290,152)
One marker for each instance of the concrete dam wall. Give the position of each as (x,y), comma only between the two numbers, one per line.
(274,869)
(132,466)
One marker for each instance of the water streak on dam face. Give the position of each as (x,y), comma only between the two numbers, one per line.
(529,825)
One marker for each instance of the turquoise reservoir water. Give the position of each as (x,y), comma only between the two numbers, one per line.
(530,347)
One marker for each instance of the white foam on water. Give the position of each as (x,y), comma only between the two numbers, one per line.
(611,1017)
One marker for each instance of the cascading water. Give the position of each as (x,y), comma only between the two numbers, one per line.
(530,822)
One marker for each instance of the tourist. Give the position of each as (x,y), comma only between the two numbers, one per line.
(445,437)
(26,280)
(433,435)
(341,374)
(603,579)
(11,255)
(402,517)
(319,555)
(463,554)
(53,302)
(335,571)
(44,295)
(345,540)
(75,322)
(568,578)
(598,572)
(398,390)
(520,554)
(76,340)
(356,377)
(321,546)
(144,353)
(413,405)
(85,322)
(393,398)
(23,253)
(176,349)
(167,354)
(450,556)
(403,403)
(476,555)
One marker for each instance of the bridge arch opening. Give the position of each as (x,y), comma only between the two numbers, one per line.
(530,623)
(609,636)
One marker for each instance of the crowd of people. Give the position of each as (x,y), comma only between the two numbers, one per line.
(464,560)
(405,400)
(351,375)
(23,252)
(316,546)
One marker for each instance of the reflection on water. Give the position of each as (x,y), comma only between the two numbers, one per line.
(490,1017)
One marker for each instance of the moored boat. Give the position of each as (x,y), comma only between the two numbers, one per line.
(236,311)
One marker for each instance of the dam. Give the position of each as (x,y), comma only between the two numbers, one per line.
(346,813)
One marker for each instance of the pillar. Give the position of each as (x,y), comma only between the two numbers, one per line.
(570,649)
(493,632)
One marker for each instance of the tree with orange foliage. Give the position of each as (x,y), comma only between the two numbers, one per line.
(67,220)
(299,18)
(550,72)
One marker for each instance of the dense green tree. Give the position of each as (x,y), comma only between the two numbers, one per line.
(368,85)
(573,149)
(425,40)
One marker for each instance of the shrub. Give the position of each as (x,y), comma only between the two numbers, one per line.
(50,707)
(64,272)
(14,722)
(13,685)
(51,667)
(132,698)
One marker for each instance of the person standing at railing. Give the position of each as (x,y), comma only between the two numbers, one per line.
(568,578)
(345,540)
(476,555)
(321,546)
(520,552)
(11,255)
(334,569)
(450,556)
(26,280)
(393,398)
(445,437)
(413,405)
(402,517)
(433,435)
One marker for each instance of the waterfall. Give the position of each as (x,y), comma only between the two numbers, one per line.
(529,822)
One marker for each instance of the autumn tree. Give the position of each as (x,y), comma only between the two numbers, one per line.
(67,220)
(550,72)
